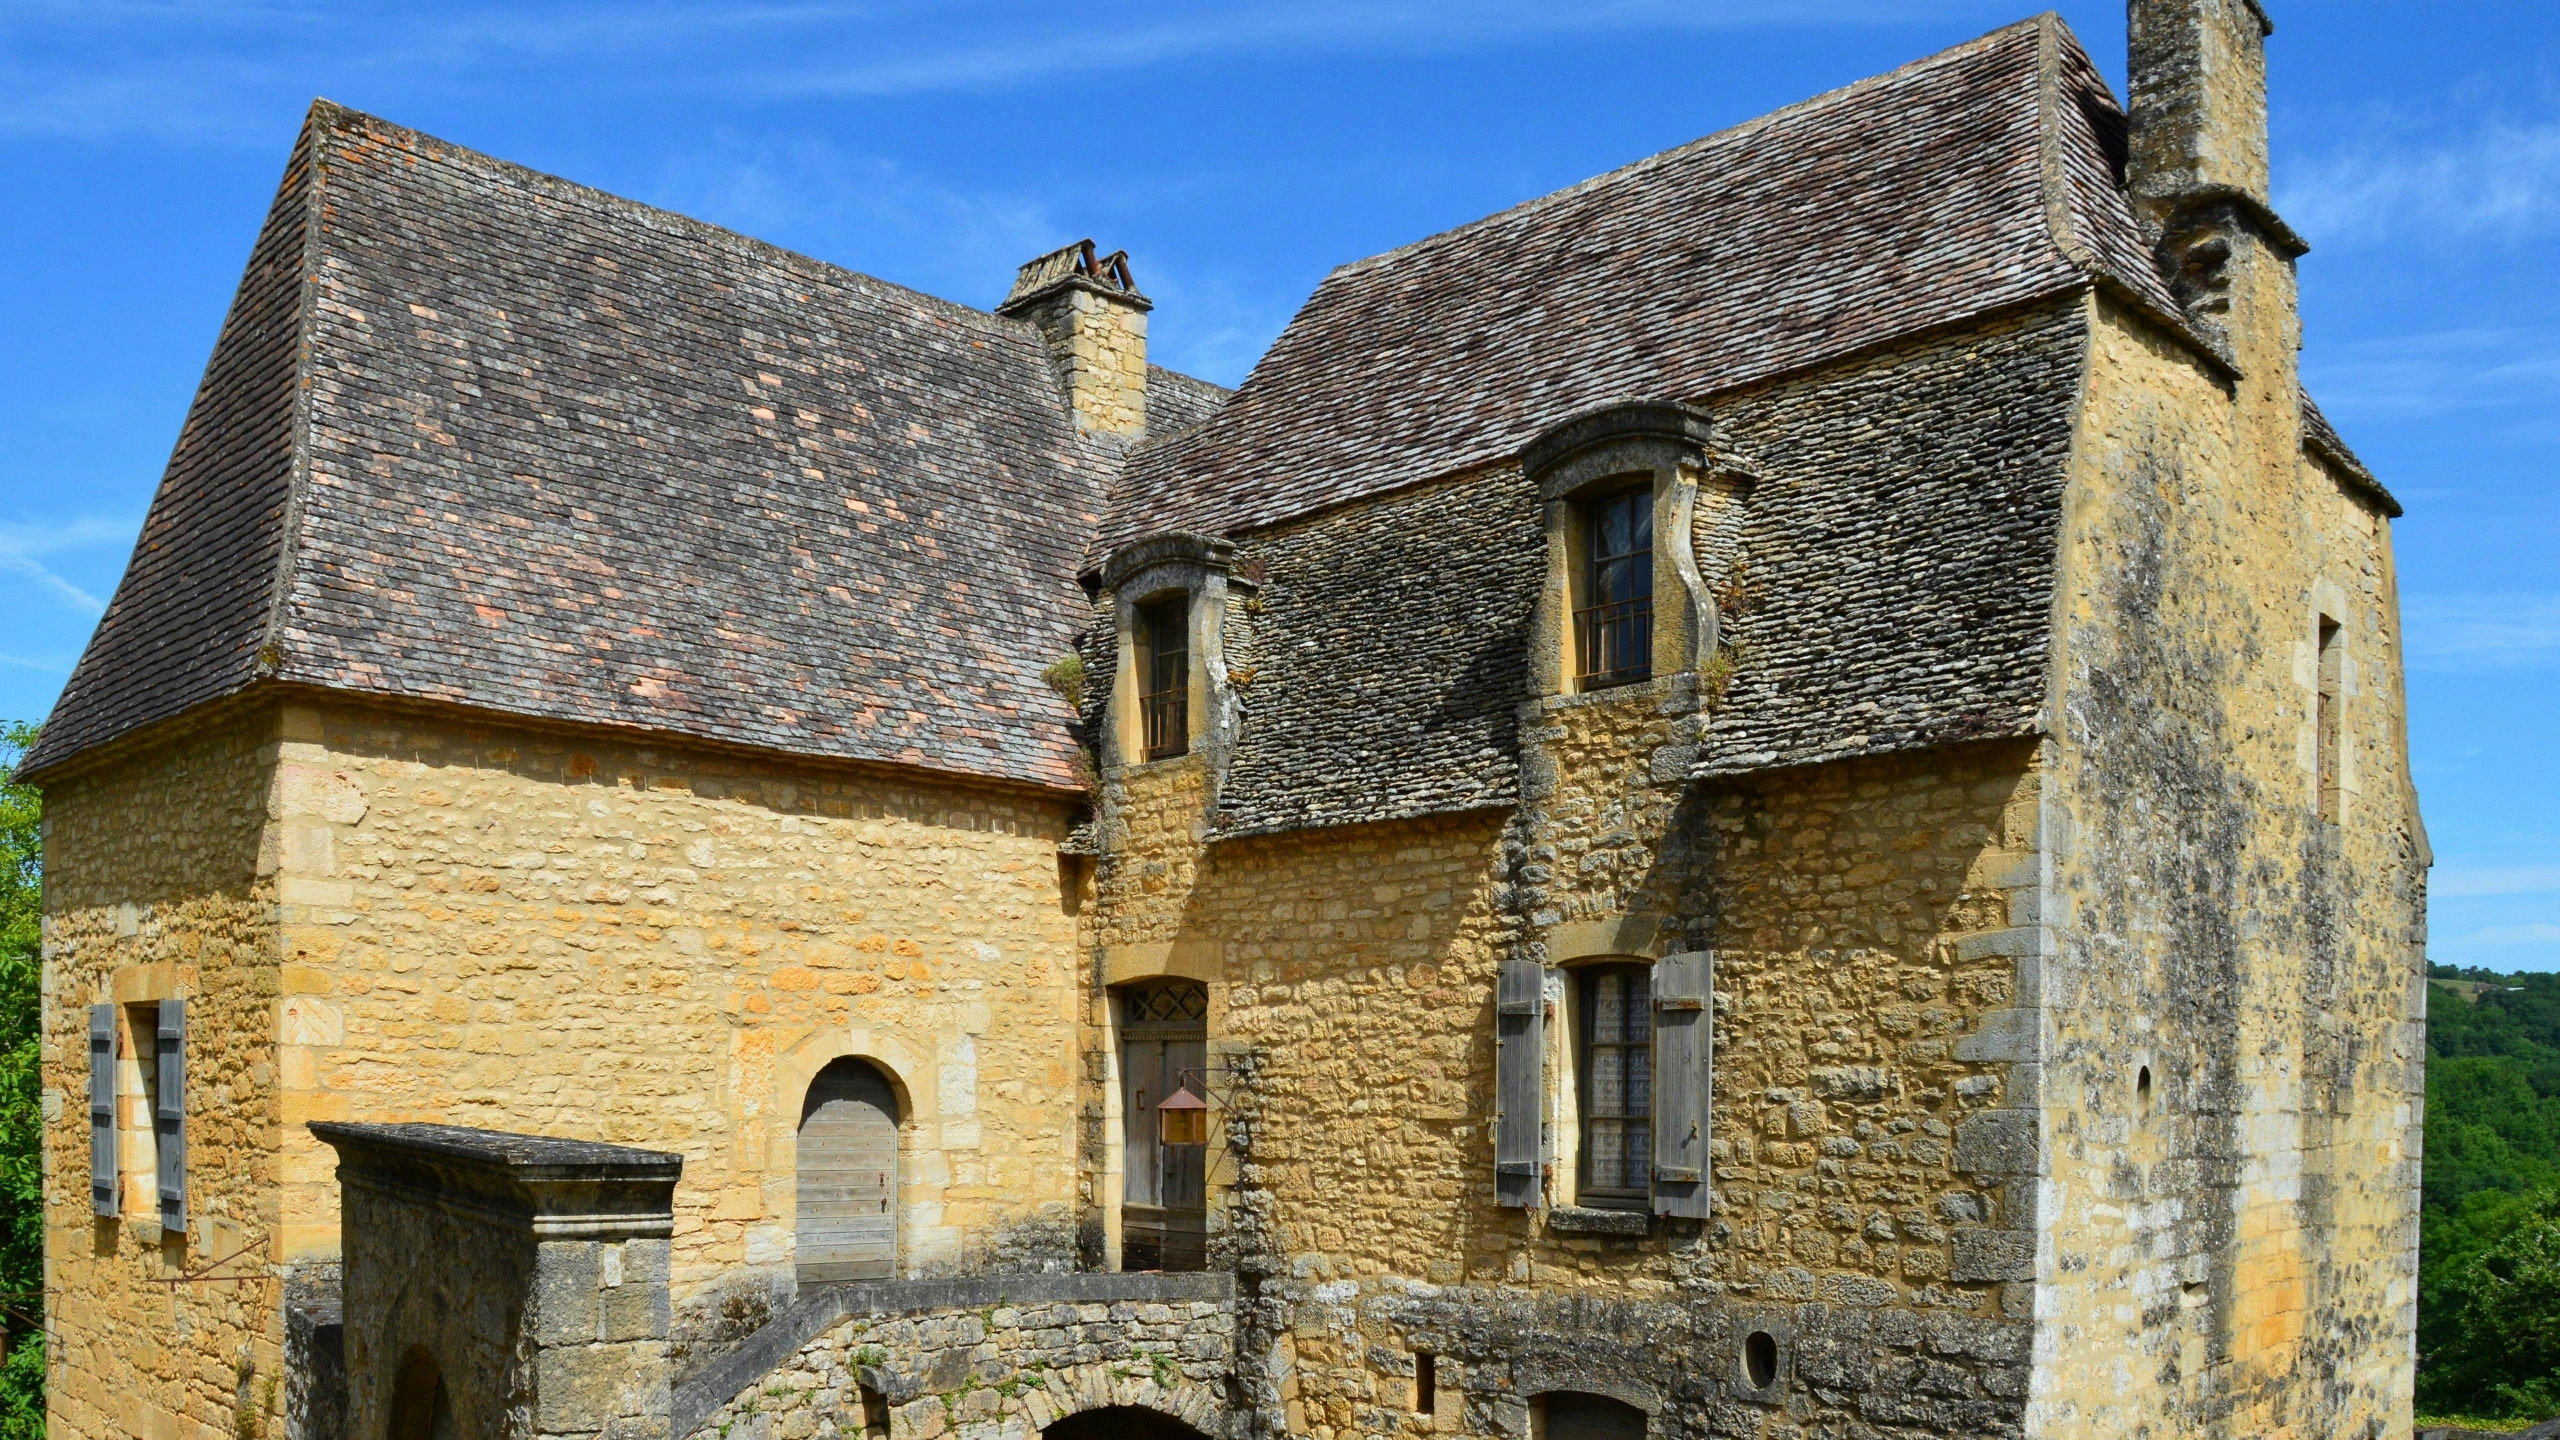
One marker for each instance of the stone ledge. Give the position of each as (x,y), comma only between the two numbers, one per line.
(1580,1220)
(701,1395)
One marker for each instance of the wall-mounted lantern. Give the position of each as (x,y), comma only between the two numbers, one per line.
(1183,1118)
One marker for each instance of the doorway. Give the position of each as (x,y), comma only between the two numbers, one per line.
(1164,1040)
(848,1177)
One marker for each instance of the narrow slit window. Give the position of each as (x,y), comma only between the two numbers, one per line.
(1164,676)
(2327,731)
(1613,631)
(1426,1382)
(1617,1086)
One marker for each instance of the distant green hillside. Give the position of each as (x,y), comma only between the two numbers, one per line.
(2489,1256)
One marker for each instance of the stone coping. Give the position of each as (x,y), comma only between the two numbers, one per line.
(516,1153)
(700,1395)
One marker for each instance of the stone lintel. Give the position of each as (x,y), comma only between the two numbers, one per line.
(1612,423)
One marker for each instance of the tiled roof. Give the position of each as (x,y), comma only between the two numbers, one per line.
(2322,439)
(1965,183)
(564,456)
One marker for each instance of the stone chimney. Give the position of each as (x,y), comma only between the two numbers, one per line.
(2197,170)
(1090,312)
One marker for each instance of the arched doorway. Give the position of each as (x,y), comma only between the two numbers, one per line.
(420,1408)
(1164,1040)
(1120,1422)
(848,1177)
(1578,1415)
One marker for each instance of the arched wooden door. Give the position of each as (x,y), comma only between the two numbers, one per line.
(848,1227)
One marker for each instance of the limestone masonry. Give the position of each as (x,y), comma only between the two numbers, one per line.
(1766,798)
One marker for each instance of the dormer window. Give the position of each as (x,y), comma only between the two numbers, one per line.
(1613,629)
(1164,675)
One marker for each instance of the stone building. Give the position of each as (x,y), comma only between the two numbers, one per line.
(1764,797)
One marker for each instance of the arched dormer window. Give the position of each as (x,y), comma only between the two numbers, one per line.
(1169,696)
(1627,489)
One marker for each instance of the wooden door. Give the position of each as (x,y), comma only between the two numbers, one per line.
(1163,1043)
(848,1187)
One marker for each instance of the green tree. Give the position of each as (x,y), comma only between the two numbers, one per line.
(2489,1328)
(21,1101)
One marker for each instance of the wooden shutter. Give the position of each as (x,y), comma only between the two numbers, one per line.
(1683,1039)
(848,1177)
(1519,1064)
(102,1109)
(169,1114)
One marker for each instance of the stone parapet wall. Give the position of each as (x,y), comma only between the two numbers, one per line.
(988,1359)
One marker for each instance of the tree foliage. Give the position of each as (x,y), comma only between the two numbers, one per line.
(2489,1248)
(21,1101)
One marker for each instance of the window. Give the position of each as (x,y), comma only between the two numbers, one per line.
(2325,718)
(1616,1090)
(1164,676)
(1613,631)
(1569,1415)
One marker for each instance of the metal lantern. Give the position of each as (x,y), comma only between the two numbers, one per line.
(1183,1118)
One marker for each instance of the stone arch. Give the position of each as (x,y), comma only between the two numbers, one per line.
(1121,1422)
(914,1080)
(421,1406)
(845,1221)
(1580,1414)
(1084,1389)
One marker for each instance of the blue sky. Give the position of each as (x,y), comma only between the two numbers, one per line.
(1239,152)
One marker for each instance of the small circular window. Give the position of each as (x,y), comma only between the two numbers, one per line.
(1760,1359)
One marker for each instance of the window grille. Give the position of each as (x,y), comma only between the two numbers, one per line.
(1164,676)
(1613,631)
(1617,1085)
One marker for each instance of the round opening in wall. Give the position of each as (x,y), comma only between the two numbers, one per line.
(1760,1359)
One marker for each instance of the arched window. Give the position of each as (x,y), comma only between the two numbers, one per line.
(420,1408)
(848,1190)
(1120,1422)
(1574,1415)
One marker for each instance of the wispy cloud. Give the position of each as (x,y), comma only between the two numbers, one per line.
(2478,633)
(2460,882)
(23,546)
(2435,177)
(2499,937)
(2440,373)
(217,73)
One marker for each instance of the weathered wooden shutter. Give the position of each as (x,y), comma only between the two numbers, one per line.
(169,1114)
(1519,1064)
(1683,1039)
(102,1109)
(848,1177)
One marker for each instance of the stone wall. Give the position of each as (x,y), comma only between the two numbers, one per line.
(992,1360)
(540,932)
(156,886)
(2231,1252)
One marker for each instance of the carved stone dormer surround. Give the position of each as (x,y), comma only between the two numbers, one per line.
(1148,570)
(1699,489)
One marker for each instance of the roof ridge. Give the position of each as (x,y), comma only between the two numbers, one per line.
(267,660)
(1825,100)
(568,189)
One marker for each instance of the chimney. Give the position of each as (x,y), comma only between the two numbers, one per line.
(1089,311)
(2196,165)
(2199,121)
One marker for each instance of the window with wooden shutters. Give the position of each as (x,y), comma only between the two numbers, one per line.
(1614,1089)
(1519,1062)
(169,1114)
(1683,1042)
(102,1109)
(848,1177)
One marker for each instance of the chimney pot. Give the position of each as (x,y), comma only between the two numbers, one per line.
(1094,322)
